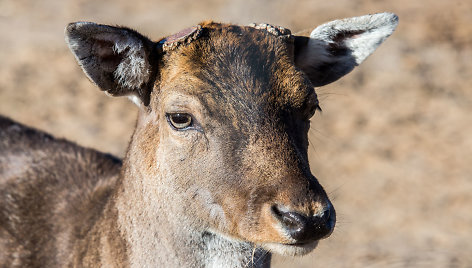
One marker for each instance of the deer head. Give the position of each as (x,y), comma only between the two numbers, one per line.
(221,140)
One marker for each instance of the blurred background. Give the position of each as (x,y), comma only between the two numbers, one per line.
(393,146)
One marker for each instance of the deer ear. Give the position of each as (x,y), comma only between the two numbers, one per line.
(335,48)
(118,60)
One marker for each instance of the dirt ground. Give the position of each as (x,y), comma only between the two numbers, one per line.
(393,146)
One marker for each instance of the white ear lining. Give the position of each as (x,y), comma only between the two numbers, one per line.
(373,30)
(335,48)
(133,71)
(117,59)
(367,43)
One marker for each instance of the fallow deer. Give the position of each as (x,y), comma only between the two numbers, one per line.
(216,173)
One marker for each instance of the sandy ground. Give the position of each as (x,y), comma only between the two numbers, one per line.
(392,147)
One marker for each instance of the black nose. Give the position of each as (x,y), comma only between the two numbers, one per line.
(303,228)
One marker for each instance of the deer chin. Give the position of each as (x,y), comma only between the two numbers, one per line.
(290,249)
(284,249)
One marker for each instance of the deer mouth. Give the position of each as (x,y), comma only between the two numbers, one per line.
(292,249)
(300,233)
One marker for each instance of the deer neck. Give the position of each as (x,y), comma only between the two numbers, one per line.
(159,232)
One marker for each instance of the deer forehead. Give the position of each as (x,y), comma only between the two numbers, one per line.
(241,70)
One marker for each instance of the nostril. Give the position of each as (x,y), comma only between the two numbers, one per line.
(290,220)
(294,222)
(275,210)
(324,222)
(326,215)
(303,228)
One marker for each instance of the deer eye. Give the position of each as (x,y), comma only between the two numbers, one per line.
(179,121)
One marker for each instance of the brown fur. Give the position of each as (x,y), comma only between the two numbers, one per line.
(263,99)
(217,194)
(53,192)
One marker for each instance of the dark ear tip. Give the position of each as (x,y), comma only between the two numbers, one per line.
(388,17)
(393,16)
(74,27)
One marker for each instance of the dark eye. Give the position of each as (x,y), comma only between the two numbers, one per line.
(179,120)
